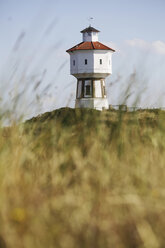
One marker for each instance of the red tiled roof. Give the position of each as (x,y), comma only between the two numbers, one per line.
(90,45)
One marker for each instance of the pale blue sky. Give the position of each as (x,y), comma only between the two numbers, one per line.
(36,33)
(119,19)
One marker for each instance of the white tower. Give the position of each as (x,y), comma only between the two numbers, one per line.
(91,63)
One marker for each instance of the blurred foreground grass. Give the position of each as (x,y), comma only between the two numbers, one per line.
(83,179)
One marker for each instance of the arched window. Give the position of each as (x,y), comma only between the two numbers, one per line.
(74,62)
(101,61)
(86,61)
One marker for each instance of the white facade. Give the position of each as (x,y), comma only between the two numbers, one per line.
(94,67)
(98,90)
(93,103)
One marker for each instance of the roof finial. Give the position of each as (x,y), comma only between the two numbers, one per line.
(90,21)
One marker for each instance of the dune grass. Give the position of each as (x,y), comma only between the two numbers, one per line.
(83,179)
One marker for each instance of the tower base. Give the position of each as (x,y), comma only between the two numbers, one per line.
(94,103)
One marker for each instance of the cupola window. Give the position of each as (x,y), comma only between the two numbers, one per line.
(101,61)
(86,61)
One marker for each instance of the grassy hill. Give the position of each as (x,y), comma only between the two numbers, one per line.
(83,178)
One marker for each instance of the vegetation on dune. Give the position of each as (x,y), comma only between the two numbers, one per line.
(83,178)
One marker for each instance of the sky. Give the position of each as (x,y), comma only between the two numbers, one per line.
(34,66)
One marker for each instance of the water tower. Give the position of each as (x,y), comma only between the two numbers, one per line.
(91,63)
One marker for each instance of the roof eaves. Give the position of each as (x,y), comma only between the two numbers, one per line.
(74,47)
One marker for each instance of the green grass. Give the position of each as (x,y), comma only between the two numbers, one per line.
(83,179)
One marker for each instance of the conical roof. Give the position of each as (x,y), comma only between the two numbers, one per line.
(90,45)
(90,29)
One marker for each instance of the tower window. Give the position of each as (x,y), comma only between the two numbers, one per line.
(87,88)
(74,62)
(86,61)
(101,61)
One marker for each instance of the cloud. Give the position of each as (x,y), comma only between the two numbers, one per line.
(156,46)
(159,47)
